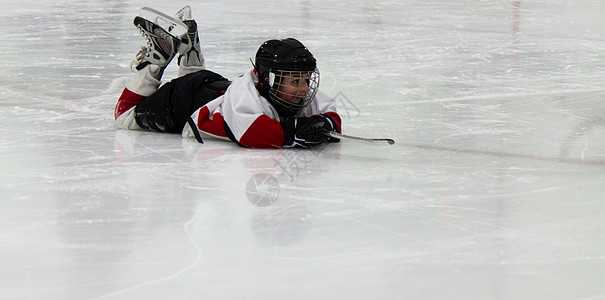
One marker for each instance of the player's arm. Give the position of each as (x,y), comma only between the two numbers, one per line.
(305,132)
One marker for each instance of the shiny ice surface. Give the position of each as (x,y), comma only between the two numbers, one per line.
(494,190)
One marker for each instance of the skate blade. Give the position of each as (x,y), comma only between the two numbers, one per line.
(172,25)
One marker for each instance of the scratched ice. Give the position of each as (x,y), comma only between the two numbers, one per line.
(494,190)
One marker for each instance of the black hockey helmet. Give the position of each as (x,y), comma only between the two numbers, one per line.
(279,63)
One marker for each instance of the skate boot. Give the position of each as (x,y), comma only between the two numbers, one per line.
(161,45)
(190,52)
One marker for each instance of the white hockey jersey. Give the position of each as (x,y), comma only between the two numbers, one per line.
(245,117)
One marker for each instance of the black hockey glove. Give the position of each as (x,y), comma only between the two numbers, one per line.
(307,131)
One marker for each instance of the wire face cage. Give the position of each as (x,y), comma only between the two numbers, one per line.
(293,90)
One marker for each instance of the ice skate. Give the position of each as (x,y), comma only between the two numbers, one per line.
(163,37)
(183,13)
(190,53)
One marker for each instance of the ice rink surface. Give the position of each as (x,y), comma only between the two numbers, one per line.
(494,190)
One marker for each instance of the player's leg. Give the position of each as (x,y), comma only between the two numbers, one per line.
(148,65)
(168,109)
(144,106)
(143,84)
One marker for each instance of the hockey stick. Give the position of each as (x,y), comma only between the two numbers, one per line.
(375,141)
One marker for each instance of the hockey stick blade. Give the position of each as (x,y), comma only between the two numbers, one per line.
(375,141)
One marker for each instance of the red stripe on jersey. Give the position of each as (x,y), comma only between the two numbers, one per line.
(336,118)
(127,100)
(214,126)
(264,132)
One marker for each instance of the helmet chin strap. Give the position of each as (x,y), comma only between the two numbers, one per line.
(256,72)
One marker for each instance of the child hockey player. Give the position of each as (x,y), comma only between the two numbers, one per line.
(276,104)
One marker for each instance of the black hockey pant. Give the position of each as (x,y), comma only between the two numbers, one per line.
(169,108)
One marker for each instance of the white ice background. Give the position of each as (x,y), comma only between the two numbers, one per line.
(494,189)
